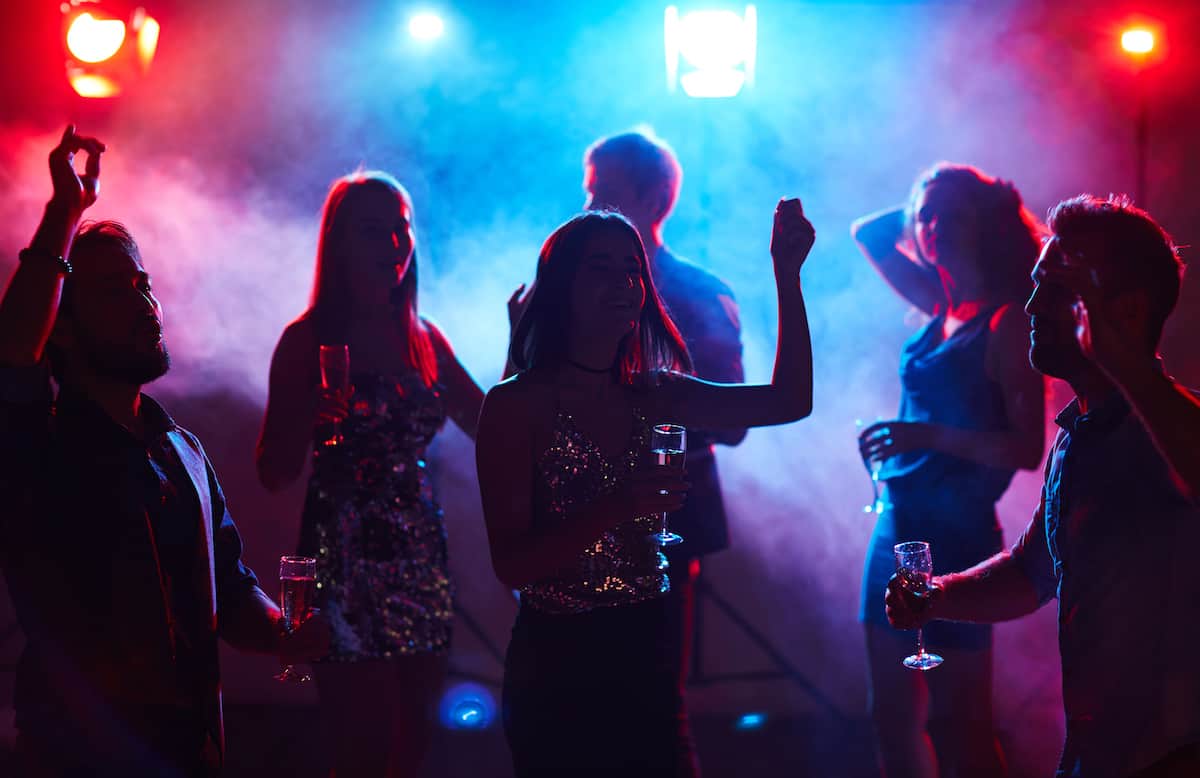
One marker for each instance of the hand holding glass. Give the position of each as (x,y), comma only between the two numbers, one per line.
(914,566)
(668,444)
(335,378)
(877,505)
(297,589)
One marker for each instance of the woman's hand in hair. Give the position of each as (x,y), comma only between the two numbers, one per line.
(791,238)
(72,192)
(517,303)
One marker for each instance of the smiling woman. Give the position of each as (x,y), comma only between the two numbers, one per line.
(371,518)
(608,292)
(570,493)
(602,267)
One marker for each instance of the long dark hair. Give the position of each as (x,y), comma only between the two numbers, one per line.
(541,337)
(331,302)
(1008,235)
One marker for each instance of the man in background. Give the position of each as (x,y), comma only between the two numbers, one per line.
(639,176)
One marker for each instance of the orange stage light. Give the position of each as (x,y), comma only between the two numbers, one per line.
(94,40)
(107,49)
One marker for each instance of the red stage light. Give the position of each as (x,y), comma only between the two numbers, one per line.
(1137,40)
(94,40)
(106,49)
(147,42)
(91,85)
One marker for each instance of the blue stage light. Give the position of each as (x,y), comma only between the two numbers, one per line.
(750,721)
(467,706)
(718,50)
(426,26)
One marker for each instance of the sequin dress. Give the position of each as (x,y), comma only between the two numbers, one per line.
(588,681)
(375,528)
(622,566)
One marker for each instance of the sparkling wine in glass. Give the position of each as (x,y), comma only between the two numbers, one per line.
(914,566)
(668,444)
(297,590)
(877,505)
(335,379)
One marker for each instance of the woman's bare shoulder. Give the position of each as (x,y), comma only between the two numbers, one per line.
(300,332)
(524,392)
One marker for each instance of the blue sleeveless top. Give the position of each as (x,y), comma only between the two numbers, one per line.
(946,382)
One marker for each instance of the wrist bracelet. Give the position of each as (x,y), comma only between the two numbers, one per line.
(37,255)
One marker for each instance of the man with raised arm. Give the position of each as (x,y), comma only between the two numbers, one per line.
(1114,537)
(121,558)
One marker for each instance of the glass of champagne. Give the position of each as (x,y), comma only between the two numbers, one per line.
(335,379)
(668,444)
(914,566)
(877,505)
(297,588)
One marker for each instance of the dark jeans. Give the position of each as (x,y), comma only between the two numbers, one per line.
(596,691)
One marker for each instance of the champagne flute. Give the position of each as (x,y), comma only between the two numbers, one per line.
(914,566)
(335,378)
(297,588)
(877,505)
(668,444)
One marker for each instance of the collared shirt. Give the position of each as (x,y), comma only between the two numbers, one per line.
(706,314)
(107,558)
(1116,540)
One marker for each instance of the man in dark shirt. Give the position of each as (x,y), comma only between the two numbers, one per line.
(121,558)
(1115,534)
(639,176)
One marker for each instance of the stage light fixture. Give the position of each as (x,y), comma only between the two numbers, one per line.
(1137,40)
(710,53)
(426,26)
(1142,42)
(467,706)
(107,47)
(750,721)
(94,40)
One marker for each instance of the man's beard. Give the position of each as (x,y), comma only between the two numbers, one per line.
(126,365)
(1056,360)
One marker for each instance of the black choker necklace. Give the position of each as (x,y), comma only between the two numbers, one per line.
(586,369)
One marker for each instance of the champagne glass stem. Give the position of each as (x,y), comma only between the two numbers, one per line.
(920,642)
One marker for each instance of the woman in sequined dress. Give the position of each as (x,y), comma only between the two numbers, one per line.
(567,488)
(370,517)
(971,414)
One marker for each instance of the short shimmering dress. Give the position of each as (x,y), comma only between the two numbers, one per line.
(588,684)
(375,528)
